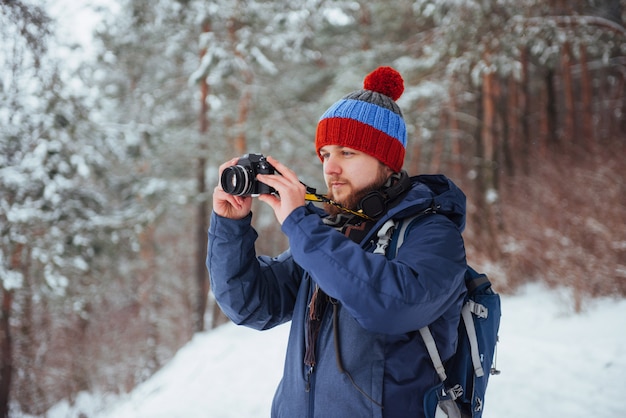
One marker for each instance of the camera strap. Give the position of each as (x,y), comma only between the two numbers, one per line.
(312,196)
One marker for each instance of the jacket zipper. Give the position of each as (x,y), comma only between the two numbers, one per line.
(310,383)
(309,372)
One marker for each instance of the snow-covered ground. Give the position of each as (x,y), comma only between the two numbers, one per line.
(554,363)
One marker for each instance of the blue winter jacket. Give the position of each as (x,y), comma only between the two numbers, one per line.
(381,303)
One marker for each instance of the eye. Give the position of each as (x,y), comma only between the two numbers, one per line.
(324,155)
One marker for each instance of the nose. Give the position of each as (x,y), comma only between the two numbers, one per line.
(331,166)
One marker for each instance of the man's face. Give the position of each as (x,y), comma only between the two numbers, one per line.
(350,174)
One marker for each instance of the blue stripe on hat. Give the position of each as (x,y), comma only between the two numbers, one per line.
(373,115)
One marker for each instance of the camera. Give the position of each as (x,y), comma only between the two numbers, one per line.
(240,179)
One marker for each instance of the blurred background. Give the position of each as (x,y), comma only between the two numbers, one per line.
(114,116)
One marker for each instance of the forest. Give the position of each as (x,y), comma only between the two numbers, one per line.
(107,164)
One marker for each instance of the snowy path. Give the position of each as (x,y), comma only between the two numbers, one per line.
(554,364)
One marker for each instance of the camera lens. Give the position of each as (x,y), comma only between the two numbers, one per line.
(235,180)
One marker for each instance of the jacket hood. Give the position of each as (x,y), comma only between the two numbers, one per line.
(435,192)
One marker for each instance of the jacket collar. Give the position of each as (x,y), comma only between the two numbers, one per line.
(428,191)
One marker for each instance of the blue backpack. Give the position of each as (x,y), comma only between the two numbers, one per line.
(464,377)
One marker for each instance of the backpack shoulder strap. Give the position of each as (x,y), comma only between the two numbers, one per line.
(468,321)
(398,229)
(470,307)
(429,341)
(397,233)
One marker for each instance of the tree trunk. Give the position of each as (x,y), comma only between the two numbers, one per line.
(27,341)
(615,100)
(6,352)
(551,126)
(439,142)
(479,217)
(488,128)
(510,127)
(457,160)
(569,129)
(148,297)
(246,93)
(488,162)
(365,22)
(244,108)
(201,247)
(416,148)
(524,106)
(586,108)
(202,280)
(6,340)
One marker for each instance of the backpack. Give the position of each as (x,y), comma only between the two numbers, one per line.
(464,377)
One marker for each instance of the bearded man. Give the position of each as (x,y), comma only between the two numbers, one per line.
(353,349)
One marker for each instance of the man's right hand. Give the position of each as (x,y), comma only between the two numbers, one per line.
(227,205)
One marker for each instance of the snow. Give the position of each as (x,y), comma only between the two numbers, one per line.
(78,20)
(554,363)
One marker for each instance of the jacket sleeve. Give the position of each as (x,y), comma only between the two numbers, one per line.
(258,292)
(424,282)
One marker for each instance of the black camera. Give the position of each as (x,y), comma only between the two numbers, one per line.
(240,179)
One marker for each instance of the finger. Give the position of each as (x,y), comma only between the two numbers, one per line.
(222,198)
(283,169)
(227,164)
(273,180)
(271,200)
(235,201)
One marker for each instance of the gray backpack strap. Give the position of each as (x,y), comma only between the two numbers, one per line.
(451,409)
(446,408)
(466,316)
(433,352)
(402,232)
(429,341)
(427,336)
(406,222)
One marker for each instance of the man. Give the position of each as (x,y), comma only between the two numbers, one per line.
(354,349)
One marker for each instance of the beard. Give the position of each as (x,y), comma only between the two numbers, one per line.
(352,201)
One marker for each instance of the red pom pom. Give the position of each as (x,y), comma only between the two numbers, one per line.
(385,80)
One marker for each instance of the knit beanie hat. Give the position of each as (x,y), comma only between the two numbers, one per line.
(368,120)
